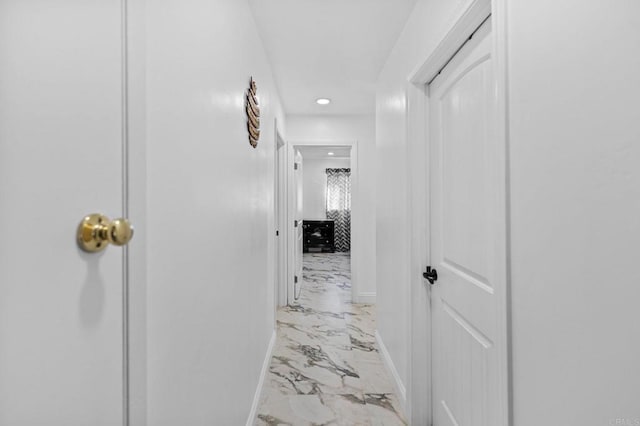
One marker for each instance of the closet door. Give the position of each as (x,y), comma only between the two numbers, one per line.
(468,241)
(61,158)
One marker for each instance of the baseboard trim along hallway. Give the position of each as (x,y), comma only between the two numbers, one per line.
(366,297)
(263,374)
(401,391)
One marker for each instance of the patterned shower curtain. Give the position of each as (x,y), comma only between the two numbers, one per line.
(339,206)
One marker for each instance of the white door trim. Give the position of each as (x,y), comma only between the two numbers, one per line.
(292,231)
(419,408)
(135,208)
(477,12)
(125,135)
(280,196)
(356,296)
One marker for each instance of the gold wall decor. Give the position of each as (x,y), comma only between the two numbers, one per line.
(253,114)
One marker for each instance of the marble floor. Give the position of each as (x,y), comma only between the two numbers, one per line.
(326,368)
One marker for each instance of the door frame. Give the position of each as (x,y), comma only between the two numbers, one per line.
(419,313)
(355,205)
(135,208)
(280,209)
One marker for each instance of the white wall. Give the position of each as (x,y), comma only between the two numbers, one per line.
(210,212)
(363,223)
(575,201)
(314,181)
(429,22)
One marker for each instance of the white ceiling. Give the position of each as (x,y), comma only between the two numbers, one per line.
(329,48)
(316,152)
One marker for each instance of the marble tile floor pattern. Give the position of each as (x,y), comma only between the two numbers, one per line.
(326,368)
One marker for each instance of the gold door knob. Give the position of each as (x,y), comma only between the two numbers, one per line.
(96,231)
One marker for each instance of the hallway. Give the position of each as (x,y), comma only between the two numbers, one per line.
(492,149)
(326,367)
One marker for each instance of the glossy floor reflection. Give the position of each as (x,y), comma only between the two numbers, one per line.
(326,369)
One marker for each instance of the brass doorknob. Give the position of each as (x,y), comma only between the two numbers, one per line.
(96,231)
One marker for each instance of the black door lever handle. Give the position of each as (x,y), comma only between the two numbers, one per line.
(431,275)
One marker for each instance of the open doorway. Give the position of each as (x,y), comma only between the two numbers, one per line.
(323,179)
(326,214)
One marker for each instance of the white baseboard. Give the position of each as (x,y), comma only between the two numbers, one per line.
(263,374)
(366,297)
(386,358)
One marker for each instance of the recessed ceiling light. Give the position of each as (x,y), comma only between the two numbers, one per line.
(323,101)
(330,153)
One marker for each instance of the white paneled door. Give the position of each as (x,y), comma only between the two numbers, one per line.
(467,240)
(61,158)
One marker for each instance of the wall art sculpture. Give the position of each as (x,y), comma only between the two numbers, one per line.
(253,114)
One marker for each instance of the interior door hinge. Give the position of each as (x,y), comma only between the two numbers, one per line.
(277,233)
(295,223)
(295,279)
(295,166)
